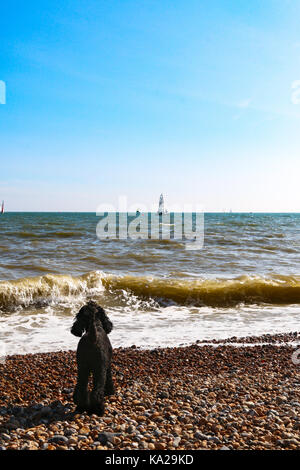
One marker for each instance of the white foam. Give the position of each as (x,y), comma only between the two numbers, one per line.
(49,329)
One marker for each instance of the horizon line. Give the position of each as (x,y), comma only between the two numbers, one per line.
(205,212)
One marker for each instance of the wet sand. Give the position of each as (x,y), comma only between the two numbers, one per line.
(197,397)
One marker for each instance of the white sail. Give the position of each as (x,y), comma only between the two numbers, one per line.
(161,206)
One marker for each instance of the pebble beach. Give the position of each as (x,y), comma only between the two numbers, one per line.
(236,394)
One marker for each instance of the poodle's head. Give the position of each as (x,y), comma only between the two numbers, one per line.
(90,312)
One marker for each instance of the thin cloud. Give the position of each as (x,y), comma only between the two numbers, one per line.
(244,103)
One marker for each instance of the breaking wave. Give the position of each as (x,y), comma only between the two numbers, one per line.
(51,289)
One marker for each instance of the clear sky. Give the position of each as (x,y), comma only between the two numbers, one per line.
(190,98)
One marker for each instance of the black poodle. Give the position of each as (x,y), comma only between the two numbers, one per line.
(94,354)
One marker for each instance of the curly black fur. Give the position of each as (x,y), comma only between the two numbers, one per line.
(94,354)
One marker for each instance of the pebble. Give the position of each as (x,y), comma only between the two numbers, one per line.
(212,398)
(58,438)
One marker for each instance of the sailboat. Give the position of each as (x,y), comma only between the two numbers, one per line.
(161,206)
(2,208)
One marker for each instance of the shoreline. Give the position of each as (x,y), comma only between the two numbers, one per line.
(188,397)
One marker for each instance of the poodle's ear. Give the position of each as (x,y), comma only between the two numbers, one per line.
(81,322)
(106,323)
(76,330)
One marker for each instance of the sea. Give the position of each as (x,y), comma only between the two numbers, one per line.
(244,281)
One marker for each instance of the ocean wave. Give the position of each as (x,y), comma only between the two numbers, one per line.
(48,289)
(281,290)
(44,234)
(52,289)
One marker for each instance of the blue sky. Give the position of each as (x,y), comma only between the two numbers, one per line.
(190,98)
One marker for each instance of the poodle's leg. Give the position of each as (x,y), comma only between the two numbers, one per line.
(80,396)
(109,385)
(97,394)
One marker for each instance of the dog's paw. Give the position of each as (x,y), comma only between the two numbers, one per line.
(109,390)
(97,410)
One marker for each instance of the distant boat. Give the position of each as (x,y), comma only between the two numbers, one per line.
(161,206)
(2,208)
